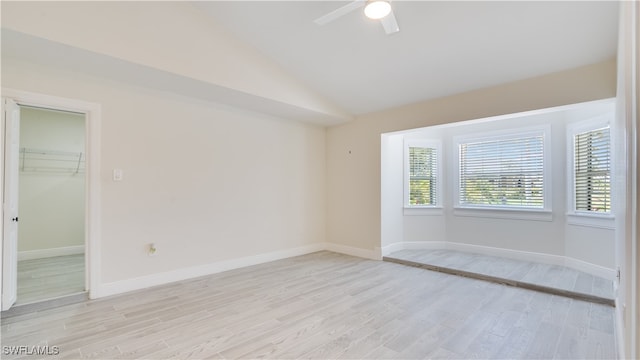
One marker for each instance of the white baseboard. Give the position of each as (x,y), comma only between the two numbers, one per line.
(142,282)
(619,328)
(413,245)
(509,254)
(427,245)
(593,269)
(47,253)
(388,249)
(354,251)
(569,262)
(118,287)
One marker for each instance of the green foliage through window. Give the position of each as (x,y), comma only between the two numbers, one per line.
(593,171)
(503,173)
(422,176)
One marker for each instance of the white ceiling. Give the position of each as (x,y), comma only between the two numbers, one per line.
(443,47)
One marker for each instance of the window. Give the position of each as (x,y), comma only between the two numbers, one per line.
(505,171)
(421,173)
(592,171)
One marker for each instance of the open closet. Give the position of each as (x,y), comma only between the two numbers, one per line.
(51,235)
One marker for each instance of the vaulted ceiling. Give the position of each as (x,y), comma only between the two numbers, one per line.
(443,47)
(270,57)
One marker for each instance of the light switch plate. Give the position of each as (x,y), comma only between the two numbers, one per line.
(117,174)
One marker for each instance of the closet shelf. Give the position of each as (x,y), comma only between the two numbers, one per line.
(51,161)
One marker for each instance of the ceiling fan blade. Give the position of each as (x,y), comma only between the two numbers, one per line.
(390,24)
(339,12)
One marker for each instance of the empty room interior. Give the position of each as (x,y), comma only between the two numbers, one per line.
(319,179)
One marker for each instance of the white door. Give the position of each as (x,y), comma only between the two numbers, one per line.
(10,221)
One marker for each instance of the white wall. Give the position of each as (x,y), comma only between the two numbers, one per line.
(626,179)
(51,201)
(391,189)
(206,183)
(354,205)
(422,225)
(202,54)
(523,235)
(553,236)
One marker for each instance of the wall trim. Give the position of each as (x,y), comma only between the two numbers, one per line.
(142,282)
(508,253)
(593,269)
(138,283)
(427,245)
(619,326)
(388,249)
(93,197)
(47,253)
(354,251)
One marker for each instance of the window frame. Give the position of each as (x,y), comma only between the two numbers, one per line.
(543,213)
(430,209)
(585,217)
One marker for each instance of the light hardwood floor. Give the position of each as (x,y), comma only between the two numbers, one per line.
(323,305)
(48,278)
(555,279)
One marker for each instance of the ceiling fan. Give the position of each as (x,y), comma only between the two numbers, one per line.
(373,9)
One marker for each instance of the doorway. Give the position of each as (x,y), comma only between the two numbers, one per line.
(75,160)
(51,236)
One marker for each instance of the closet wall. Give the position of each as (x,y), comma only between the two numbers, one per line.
(51,200)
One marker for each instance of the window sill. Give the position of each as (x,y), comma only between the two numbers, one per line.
(510,214)
(592,220)
(423,211)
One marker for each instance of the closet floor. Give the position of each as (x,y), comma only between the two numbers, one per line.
(552,279)
(50,278)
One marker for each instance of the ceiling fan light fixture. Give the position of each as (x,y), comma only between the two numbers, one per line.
(377,9)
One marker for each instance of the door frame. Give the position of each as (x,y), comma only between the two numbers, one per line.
(11,126)
(93,232)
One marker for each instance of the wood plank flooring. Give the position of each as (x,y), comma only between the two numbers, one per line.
(553,279)
(319,306)
(48,278)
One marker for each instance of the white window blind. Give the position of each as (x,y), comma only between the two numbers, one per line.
(423,165)
(592,161)
(503,172)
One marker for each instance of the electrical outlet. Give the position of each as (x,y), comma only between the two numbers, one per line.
(152,250)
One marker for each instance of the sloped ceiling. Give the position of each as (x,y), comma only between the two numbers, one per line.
(270,57)
(443,47)
(167,45)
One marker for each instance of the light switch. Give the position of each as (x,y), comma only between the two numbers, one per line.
(117,174)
